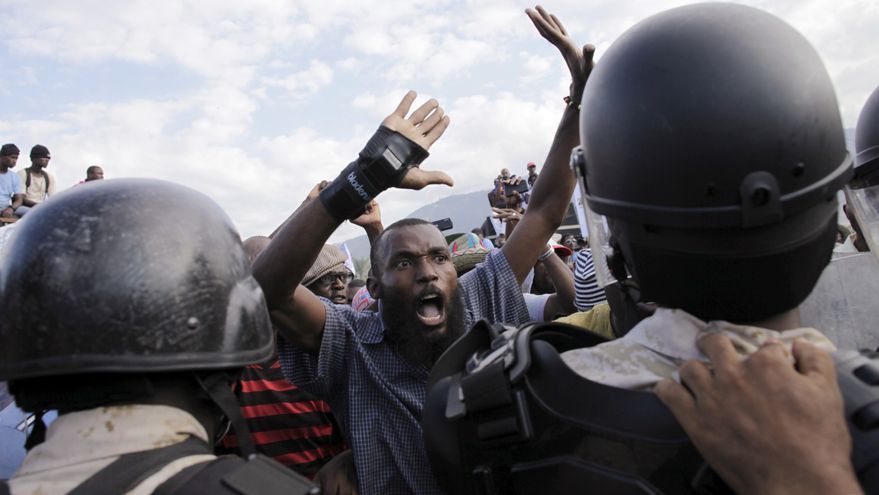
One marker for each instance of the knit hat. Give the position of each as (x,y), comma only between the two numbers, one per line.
(330,259)
(467,252)
(39,151)
(9,149)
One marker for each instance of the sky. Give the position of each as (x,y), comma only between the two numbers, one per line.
(253,102)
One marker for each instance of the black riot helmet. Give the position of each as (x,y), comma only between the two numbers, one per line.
(128,276)
(713,145)
(867,137)
(862,193)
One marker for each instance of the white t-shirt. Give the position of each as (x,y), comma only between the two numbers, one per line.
(536,305)
(37,192)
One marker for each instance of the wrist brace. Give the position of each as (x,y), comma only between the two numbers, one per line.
(382,164)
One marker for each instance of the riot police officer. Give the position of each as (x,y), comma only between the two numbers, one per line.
(133,324)
(713,147)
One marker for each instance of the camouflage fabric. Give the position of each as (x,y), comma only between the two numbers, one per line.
(657,346)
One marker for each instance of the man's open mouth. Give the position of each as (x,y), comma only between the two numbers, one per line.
(430,310)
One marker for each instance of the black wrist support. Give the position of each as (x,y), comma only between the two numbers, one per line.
(381,165)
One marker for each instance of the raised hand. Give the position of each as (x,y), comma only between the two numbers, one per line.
(315,191)
(424,126)
(579,60)
(371,216)
(506,214)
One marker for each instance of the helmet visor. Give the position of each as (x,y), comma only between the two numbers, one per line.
(862,196)
(592,225)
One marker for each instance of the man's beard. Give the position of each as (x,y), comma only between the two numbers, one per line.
(414,343)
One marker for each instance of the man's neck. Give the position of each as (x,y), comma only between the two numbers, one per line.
(780,322)
(36,170)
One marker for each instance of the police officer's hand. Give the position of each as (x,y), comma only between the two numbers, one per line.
(424,127)
(764,424)
(579,60)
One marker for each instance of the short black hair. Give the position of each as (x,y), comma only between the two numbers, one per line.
(91,169)
(375,248)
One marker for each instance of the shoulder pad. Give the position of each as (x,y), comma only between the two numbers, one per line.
(858,377)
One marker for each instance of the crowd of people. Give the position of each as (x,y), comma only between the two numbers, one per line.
(183,360)
(23,190)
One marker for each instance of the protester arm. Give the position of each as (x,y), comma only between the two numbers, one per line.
(555,185)
(371,221)
(563,280)
(509,216)
(311,196)
(298,314)
(764,424)
(9,211)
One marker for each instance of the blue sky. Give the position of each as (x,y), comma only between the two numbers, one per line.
(253,102)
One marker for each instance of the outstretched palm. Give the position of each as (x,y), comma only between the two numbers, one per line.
(424,126)
(579,60)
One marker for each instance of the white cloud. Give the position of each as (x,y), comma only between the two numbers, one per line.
(350,64)
(305,82)
(498,80)
(364,101)
(535,66)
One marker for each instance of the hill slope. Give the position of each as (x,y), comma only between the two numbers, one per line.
(467,212)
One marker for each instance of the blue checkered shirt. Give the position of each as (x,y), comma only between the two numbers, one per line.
(376,395)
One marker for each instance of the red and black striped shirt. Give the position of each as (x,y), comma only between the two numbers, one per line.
(286,423)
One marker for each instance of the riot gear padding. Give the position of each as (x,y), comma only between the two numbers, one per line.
(505,414)
(858,377)
(128,276)
(712,142)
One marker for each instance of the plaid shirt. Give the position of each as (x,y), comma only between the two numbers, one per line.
(376,395)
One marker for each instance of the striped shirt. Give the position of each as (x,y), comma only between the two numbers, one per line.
(587,292)
(286,423)
(377,395)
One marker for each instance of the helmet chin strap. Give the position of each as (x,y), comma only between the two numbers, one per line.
(217,385)
(38,433)
(623,294)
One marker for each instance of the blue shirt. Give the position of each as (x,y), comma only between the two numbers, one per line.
(10,184)
(376,395)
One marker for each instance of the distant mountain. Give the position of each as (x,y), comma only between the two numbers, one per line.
(467,212)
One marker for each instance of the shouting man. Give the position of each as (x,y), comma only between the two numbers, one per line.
(372,367)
